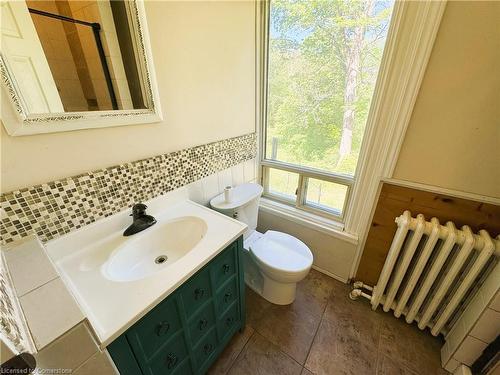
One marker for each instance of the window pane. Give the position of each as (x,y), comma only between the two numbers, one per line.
(324,58)
(325,195)
(283,184)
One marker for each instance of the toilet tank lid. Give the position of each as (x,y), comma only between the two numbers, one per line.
(241,195)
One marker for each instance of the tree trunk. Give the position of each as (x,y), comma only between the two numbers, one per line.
(352,74)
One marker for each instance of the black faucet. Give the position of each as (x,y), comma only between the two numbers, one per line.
(141,220)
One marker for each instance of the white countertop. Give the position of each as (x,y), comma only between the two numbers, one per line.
(112,307)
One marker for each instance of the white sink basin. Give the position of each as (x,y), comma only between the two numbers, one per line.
(115,279)
(154,249)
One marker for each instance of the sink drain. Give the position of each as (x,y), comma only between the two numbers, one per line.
(161,259)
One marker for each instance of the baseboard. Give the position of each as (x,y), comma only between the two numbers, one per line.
(323,271)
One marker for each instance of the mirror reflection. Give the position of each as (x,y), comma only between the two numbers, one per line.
(72,56)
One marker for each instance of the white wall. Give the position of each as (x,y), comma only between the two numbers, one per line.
(453,138)
(204,54)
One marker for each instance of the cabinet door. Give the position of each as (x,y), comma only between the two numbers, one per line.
(224,266)
(196,292)
(123,357)
(205,350)
(169,358)
(156,328)
(201,323)
(184,368)
(228,322)
(226,295)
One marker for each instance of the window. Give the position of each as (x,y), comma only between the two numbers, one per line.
(322,61)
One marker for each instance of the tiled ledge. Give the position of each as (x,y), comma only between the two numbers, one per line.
(47,309)
(44,316)
(56,208)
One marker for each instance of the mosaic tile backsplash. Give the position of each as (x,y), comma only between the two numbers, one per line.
(56,208)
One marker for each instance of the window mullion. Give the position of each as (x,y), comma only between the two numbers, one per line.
(265,178)
(301,191)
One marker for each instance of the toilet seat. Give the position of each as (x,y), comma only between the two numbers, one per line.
(282,252)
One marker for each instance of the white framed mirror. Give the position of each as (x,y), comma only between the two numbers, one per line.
(74,64)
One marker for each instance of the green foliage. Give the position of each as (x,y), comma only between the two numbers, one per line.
(309,50)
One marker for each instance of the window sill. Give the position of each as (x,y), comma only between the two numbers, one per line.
(308,219)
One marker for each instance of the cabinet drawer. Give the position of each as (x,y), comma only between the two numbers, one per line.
(184,368)
(224,266)
(170,359)
(226,295)
(156,328)
(196,292)
(205,349)
(201,323)
(229,321)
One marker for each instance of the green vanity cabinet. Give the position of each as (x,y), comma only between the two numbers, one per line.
(186,332)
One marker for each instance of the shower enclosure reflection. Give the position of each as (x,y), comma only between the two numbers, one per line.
(73,56)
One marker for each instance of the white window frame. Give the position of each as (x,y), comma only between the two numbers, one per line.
(409,43)
(304,174)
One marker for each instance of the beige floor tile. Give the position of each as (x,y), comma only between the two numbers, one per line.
(231,352)
(256,306)
(306,372)
(340,303)
(351,338)
(344,346)
(313,292)
(262,357)
(388,366)
(291,329)
(405,343)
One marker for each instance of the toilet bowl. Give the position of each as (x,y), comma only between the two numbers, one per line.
(284,261)
(274,261)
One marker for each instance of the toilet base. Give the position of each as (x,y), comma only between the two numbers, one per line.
(278,293)
(272,291)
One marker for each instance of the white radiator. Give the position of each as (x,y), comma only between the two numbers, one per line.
(431,272)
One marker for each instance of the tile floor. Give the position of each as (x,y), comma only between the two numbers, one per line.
(324,332)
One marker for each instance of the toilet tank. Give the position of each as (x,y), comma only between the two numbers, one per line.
(243,205)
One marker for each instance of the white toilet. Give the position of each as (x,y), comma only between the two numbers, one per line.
(274,261)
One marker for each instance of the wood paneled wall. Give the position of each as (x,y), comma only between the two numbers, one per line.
(394,200)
